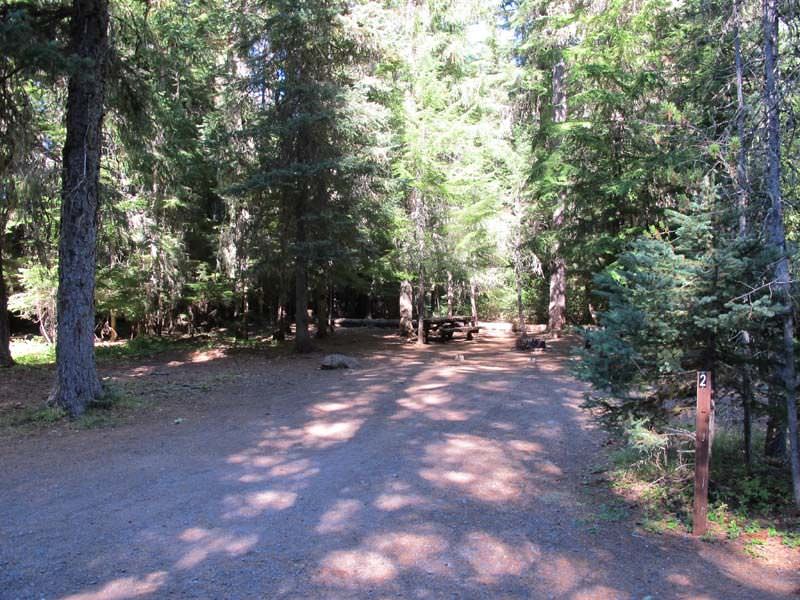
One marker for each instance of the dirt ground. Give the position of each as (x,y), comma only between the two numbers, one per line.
(418,475)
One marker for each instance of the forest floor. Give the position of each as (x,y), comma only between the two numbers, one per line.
(255,474)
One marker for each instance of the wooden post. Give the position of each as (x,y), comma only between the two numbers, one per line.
(702,451)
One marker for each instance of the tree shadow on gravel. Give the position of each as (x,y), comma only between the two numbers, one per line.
(417,476)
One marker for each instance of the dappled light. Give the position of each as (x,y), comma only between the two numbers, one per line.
(205,543)
(492,559)
(479,467)
(124,588)
(458,485)
(370,299)
(342,516)
(355,568)
(199,356)
(254,504)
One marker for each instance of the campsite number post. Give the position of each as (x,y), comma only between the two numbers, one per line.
(702,451)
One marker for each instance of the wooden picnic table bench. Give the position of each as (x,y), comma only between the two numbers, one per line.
(445,327)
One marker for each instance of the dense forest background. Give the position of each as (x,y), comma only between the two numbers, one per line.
(626,165)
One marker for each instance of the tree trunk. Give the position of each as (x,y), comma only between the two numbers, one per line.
(5,330)
(77,382)
(302,340)
(743,202)
(418,209)
(523,328)
(450,294)
(776,235)
(557,308)
(280,321)
(421,307)
(406,309)
(369,298)
(473,303)
(322,312)
(331,308)
(245,310)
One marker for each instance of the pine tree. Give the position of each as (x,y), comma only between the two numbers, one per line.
(77,383)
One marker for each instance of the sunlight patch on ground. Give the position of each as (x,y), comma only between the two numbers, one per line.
(679,579)
(257,503)
(293,467)
(317,434)
(358,405)
(411,549)
(739,570)
(432,406)
(391,502)
(206,542)
(336,431)
(124,587)
(476,466)
(492,559)
(199,356)
(561,573)
(603,592)
(354,568)
(340,517)
(381,557)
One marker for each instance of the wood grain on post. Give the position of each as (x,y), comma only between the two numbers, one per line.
(702,451)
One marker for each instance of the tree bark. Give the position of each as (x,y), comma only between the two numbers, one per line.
(77,382)
(523,328)
(406,309)
(370,298)
(322,312)
(473,303)
(743,202)
(418,210)
(245,310)
(5,329)
(280,320)
(421,307)
(450,294)
(776,234)
(557,308)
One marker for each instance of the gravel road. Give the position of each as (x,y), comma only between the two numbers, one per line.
(418,475)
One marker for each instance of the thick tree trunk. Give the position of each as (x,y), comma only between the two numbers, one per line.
(77,382)
(743,202)
(776,235)
(406,309)
(5,330)
(557,309)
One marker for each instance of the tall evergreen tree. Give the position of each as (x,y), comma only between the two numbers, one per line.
(77,382)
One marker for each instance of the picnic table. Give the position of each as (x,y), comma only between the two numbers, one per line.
(445,327)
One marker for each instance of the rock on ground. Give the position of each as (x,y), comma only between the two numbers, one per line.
(339,361)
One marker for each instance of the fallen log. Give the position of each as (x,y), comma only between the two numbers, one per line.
(382,323)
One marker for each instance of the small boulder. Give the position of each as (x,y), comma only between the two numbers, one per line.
(526,343)
(338,361)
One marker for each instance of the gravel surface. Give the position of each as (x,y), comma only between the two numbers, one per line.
(417,475)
